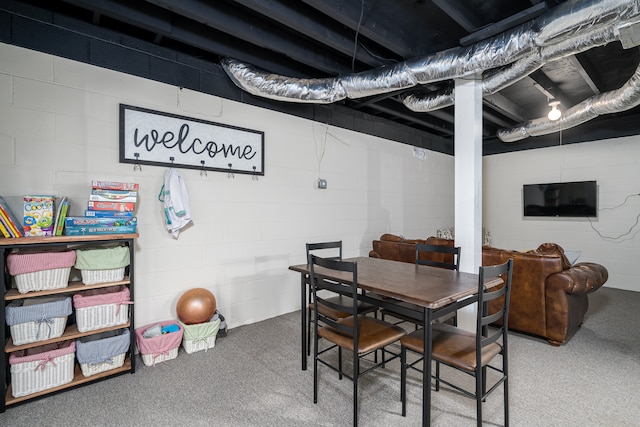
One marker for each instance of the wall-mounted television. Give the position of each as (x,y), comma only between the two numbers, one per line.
(560,199)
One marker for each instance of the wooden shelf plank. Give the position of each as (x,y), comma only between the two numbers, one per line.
(75,286)
(64,239)
(78,379)
(70,333)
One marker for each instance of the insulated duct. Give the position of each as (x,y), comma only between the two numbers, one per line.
(625,98)
(572,27)
(496,80)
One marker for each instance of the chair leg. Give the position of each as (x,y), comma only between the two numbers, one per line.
(315,369)
(437,376)
(479,393)
(484,383)
(356,375)
(308,331)
(403,379)
(505,384)
(340,362)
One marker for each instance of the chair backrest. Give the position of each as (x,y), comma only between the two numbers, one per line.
(325,248)
(438,256)
(485,318)
(347,286)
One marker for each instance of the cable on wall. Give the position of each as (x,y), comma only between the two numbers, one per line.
(624,236)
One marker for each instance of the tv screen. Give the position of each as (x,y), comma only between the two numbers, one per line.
(567,199)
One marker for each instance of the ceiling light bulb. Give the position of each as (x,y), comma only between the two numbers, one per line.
(555,113)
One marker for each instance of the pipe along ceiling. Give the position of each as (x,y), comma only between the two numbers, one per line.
(570,28)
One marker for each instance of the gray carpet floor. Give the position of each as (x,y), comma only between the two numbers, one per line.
(253,378)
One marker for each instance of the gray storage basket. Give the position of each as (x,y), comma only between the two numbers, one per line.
(37,319)
(102,352)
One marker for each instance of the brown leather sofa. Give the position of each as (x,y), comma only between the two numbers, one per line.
(548,295)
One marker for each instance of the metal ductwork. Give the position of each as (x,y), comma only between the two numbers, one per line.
(570,28)
(496,80)
(625,98)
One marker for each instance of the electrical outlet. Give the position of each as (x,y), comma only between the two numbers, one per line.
(322,184)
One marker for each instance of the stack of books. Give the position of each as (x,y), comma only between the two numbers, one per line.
(9,224)
(110,210)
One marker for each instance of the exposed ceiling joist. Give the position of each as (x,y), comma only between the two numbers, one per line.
(292,15)
(371,26)
(506,107)
(219,17)
(584,72)
(504,25)
(462,15)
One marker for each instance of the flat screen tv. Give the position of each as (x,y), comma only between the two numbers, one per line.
(560,199)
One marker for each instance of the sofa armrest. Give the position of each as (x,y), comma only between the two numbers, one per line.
(582,278)
(374,254)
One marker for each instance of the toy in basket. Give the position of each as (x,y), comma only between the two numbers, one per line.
(156,346)
(101,308)
(41,368)
(37,319)
(38,271)
(102,265)
(103,351)
(201,336)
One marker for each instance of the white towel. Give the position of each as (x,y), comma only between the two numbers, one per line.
(176,202)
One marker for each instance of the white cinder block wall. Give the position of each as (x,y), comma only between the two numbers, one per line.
(59,130)
(612,239)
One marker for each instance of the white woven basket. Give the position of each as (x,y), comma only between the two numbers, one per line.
(192,346)
(28,377)
(101,316)
(92,277)
(41,280)
(151,359)
(95,368)
(28,332)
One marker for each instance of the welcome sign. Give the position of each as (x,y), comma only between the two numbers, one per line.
(155,138)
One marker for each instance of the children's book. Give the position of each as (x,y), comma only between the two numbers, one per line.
(10,220)
(63,207)
(3,230)
(38,215)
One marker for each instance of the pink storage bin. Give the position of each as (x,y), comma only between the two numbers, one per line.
(37,271)
(101,308)
(41,368)
(160,348)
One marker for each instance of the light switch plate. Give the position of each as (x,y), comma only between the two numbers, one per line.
(322,183)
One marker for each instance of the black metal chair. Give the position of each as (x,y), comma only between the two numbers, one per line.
(449,259)
(469,352)
(436,256)
(361,335)
(335,250)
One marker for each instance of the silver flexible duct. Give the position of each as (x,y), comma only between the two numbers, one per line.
(625,98)
(496,80)
(572,27)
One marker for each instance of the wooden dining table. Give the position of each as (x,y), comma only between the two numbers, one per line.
(436,292)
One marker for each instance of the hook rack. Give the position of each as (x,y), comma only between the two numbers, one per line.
(202,171)
(255,174)
(137,165)
(230,174)
(171,159)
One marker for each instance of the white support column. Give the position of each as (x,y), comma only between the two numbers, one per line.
(468,181)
